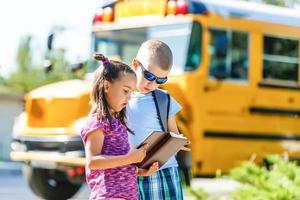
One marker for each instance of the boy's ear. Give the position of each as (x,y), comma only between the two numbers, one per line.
(135,64)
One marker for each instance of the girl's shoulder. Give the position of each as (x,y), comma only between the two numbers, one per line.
(93,123)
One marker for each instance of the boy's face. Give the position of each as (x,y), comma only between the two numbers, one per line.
(143,85)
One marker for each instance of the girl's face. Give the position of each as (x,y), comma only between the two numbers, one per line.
(118,92)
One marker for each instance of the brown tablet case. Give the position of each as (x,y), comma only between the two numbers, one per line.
(161,146)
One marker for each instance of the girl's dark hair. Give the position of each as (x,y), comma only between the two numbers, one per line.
(111,71)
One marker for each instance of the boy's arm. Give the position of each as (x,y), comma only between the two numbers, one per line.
(172,127)
(148,172)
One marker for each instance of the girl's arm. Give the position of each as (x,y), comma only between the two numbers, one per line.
(95,160)
(172,127)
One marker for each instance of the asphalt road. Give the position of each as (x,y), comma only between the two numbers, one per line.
(13,186)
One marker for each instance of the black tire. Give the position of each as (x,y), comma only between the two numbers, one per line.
(49,184)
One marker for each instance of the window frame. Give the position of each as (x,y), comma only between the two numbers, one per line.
(279,83)
(230,30)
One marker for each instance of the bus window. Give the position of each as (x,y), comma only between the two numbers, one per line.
(110,48)
(184,39)
(194,53)
(281,59)
(176,36)
(229,54)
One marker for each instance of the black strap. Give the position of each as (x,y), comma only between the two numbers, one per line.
(168,106)
(162,104)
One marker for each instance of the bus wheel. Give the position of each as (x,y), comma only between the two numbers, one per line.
(49,184)
(185,165)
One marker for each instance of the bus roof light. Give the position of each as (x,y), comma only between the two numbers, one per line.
(108,14)
(171,7)
(177,7)
(104,15)
(98,16)
(181,7)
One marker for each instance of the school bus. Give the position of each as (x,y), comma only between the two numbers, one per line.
(235,72)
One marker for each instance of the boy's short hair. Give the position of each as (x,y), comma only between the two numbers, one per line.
(157,52)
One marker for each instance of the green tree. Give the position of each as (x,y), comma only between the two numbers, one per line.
(24,54)
(28,76)
(284,3)
(2,80)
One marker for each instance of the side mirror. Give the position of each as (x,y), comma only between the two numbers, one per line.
(50,41)
(77,66)
(48,66)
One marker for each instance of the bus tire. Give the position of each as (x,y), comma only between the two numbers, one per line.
(49,184)
(184,162)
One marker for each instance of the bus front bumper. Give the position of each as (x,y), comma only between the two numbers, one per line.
(49,152)
(47,159)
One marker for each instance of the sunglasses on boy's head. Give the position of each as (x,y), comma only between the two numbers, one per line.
(151,77)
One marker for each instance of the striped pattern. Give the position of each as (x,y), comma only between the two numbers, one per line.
(162,185)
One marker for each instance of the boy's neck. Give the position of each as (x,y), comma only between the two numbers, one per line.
(140,93)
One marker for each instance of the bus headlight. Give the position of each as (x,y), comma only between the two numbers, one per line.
(18,146)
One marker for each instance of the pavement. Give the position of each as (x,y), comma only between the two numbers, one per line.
(214,188)
(9,167)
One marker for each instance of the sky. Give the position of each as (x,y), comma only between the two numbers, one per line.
(36,17)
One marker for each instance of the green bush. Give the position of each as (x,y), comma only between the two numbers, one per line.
(280,182)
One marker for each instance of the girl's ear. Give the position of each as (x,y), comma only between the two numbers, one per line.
(135,64)
(106,86)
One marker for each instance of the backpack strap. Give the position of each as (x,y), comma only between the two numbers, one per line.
(162,104)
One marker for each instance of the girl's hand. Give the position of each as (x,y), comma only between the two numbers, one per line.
(137,155)
(185,148)
(148,172)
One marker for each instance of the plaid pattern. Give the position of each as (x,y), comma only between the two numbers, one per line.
(162,185)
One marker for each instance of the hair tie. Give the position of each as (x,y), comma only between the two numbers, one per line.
(102,58)
(106,61)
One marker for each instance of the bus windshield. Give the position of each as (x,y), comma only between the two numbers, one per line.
(184,39)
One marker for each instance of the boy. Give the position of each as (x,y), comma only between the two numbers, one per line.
(152,66)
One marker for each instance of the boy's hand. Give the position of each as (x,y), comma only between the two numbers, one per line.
(185,148)
(148,172)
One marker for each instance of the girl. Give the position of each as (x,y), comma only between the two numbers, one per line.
(109,170)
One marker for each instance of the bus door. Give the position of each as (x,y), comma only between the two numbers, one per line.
(225,94)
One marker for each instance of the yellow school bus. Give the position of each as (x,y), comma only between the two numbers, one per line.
(236,74)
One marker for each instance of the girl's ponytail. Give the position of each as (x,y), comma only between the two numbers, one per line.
(101,57)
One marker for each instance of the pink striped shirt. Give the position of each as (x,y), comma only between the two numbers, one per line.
(119,182)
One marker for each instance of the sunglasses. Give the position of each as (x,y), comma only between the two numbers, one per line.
(151,77)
